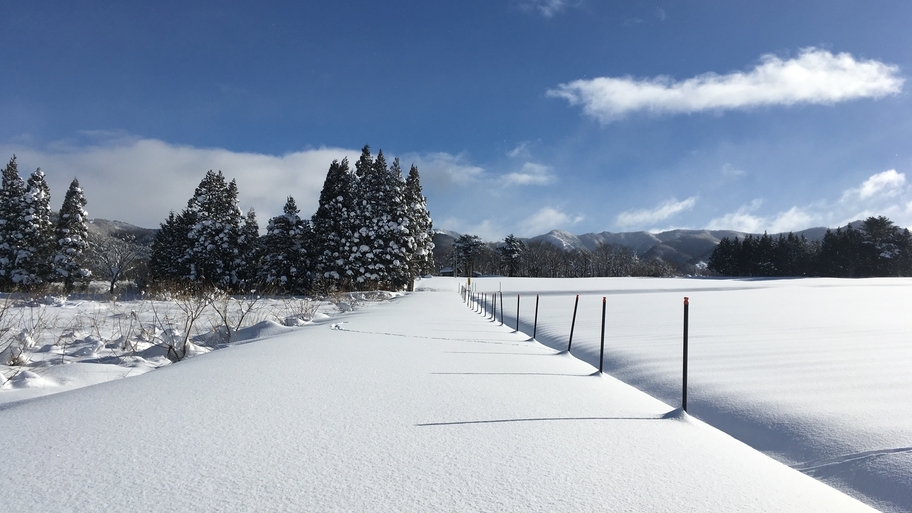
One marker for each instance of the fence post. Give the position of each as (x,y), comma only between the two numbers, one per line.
(573,323)
(602,349)
(517,313)
(684,387)
(494,307)
(535,323)
(501,309)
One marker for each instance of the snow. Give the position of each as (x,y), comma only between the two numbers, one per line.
(412,404)
(813,372)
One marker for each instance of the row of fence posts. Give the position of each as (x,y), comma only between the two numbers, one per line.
(479,303)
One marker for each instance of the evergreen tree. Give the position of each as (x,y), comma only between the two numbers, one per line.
(285,262)
(333,227)
(250,252)
(71,237)
(166,261)
(511,253)
(42,229)
(420,228)
(12,207)
(466,249)
(25,247)
(213,254)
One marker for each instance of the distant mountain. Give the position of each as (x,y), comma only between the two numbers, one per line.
(682,247)
(120,229)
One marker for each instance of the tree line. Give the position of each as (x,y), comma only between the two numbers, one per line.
(371,231)
(541,259)
(876,248)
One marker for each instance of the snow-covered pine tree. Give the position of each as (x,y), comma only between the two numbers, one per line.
(41,266)
(285,263)
(377,252)
(213,253)
(332,228)
(12,206)
(172,241)
(26,246)
(250,252)
(71,237)
(400,245)
(511,254)
(420,228)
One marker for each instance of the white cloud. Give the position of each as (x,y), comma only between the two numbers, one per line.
(731,171)
(741,220)
(546,8)
(545,220)
(815,76)
(884,193)
(531,174)
(520,151)
(487,230)
(661,212)
(888,183)
(444,171)
(140,180)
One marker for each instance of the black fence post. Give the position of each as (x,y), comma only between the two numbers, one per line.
(602,349)
(517,313)
(535,323)
(684,387)
(573,323)
(501,309)
(494,307)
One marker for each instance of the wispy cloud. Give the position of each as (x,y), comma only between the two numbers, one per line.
(531,174)
(661,212)
(885,193)
(444,171)
(815,76)
(546,8)
(545,220)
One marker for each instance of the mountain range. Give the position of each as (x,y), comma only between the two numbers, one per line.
(682,247)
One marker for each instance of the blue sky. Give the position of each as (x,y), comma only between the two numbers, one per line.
(522,116)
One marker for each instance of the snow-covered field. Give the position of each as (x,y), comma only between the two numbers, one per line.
(51,344)
(814,372)
(414,404)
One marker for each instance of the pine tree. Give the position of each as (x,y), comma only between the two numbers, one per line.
(420,228)
(332,227)
(285,260)
(71,237)
(511,254)
(25,250)
(12,207)
(378,257)
(42,264)
(167,264)
(250,252)
(213,253)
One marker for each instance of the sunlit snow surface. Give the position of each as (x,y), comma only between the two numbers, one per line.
(815,372)
(417,404)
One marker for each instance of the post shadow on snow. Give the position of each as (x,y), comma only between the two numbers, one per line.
(676,414)
(514,374)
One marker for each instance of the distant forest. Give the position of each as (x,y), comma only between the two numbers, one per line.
(470,256)
(875,248)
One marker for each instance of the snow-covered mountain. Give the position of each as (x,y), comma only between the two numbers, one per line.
(682,247)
